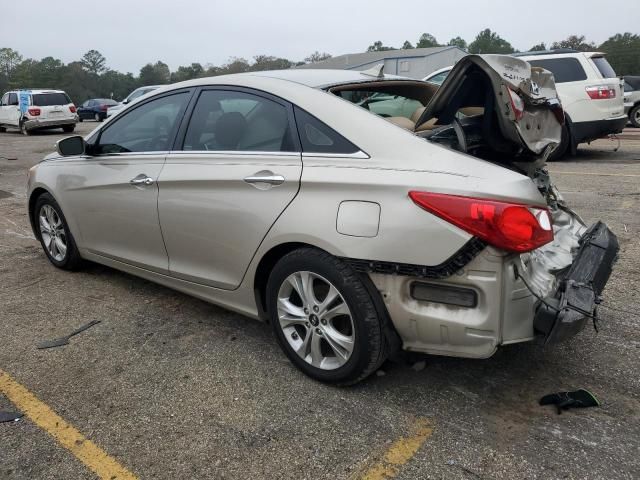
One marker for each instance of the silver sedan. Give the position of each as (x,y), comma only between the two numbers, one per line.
(358,213)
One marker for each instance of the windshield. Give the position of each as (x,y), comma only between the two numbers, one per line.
(138,93)
(438,78)
(382,103)
(50,99)
(605,69)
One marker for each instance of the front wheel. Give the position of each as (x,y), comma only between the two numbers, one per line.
(634,116)
(324,318)
(56,239)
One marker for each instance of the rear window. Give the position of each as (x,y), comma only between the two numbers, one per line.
(108,102)
(604,67)
(563,69)
(50,99)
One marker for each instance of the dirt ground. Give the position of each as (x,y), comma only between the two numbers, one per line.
(174,388)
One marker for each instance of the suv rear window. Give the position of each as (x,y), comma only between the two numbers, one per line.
(604,67)
(563,69)
(50,99)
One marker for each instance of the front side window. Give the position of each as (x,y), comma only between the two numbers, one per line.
(5,100)
(317,137)
(147,128)
(225,120)
(563,69)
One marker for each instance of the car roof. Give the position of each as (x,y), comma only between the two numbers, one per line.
(35,91)
(315,78)
(564,52)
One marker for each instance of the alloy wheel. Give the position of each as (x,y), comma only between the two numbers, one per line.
(316,320)
(53,233)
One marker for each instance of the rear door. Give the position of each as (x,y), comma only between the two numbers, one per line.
(235,168)
(52,105)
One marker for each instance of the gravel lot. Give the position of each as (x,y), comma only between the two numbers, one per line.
(173,387)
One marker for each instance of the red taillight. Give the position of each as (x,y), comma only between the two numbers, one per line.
(72,109)
(601,92)
(104,107)
(517,104)
(508,226)
(34,112)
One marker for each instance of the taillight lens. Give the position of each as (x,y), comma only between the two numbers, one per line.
(72,109)
(103,108)
(601,92)
(517,104)
(34,112)
(509,226)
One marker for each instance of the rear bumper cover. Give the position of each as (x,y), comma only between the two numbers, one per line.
(565,312)
(587,131)
(53,123)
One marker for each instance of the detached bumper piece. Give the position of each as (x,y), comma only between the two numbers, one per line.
(565,312)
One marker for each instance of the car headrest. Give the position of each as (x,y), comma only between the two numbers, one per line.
(230,127)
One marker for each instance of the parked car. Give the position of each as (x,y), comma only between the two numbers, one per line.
(40,110)
(95,109)
(444,236)
(137,93)
(590,91)
(438,76)
(632,99)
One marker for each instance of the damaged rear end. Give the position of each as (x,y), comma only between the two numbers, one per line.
(500,109)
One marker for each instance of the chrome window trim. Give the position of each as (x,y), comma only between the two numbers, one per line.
(243,153)
(359,154)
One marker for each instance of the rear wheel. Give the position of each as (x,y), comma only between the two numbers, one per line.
(56,239)
(79,119)
(23,128)
(68,128)
(561,150)
(3,129)
(324,318)
(634,116)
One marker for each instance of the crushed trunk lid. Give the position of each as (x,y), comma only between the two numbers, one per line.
(521,99)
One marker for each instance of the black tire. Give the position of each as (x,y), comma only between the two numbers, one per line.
(68,128)
(3,129)
(80,119)
(565,141)
(634,116)
(370,347)
(23,128)
(97,117)
(72,259)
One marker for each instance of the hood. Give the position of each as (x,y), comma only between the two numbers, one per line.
(490,82)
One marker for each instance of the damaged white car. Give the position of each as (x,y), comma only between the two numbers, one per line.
(358,213)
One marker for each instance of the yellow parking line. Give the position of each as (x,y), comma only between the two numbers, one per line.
(399,453)
(85,450)
(556,172)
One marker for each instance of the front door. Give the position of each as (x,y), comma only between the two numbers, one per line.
(237,168)
(113,192)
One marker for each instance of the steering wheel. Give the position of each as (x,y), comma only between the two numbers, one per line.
(159,142)
(462,138)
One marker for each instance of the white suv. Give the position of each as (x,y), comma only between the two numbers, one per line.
(31,110)
(590,91)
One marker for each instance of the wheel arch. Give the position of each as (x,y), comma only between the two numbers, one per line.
(33,198)
(271,257)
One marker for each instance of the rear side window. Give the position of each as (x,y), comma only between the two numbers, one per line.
(50,99)
(317,137)
(603,66)
(563,69)
(13,99)
(238,121)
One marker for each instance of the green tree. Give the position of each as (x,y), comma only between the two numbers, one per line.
(377,46)
(195,70)
(317,57)
(9,60)
(266,62)
(458,42)
(94,62)
(407,45)
(489,42)
(235,65)
(427,40)
(539,47)
(623,53)
(155,74)
(577,42)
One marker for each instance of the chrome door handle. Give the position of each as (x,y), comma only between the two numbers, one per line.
(141,179)
(265,176)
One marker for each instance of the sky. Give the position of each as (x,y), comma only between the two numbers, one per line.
(133,33)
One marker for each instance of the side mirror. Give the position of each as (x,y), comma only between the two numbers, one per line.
(125,101)
(71,146)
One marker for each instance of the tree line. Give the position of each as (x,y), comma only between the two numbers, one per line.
(90,77)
